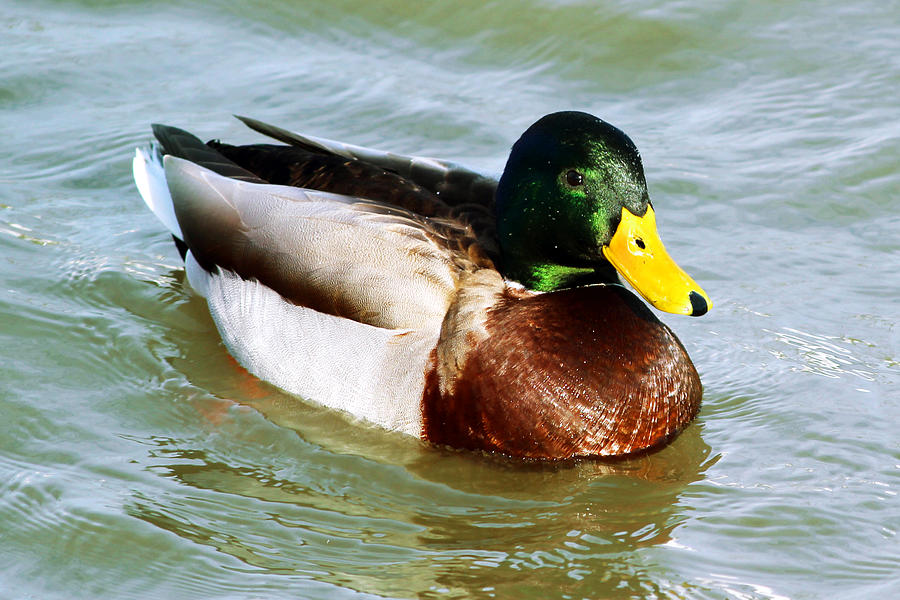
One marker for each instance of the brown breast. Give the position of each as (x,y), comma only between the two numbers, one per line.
(580,372)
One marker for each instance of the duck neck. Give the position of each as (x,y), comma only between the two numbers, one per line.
(548,276)
(539,271)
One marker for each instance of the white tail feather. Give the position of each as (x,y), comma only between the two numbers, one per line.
(150,178)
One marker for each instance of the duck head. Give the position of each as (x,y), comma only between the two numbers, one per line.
(573,208)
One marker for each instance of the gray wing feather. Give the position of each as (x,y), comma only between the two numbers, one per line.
(372,263)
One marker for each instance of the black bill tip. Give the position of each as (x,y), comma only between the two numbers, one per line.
(698,305)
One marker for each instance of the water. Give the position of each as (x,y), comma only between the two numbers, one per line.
(137,460)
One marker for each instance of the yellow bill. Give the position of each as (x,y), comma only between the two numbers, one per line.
(639,256)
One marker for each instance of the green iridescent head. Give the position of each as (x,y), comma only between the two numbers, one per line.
(561,196)
(571,184)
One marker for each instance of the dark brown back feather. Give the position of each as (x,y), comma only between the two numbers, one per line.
(455,184)
(298,167)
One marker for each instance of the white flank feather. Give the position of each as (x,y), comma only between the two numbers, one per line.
(370,372)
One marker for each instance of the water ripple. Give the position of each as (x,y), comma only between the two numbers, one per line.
(828,356)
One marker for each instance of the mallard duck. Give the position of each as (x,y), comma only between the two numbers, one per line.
(427,298)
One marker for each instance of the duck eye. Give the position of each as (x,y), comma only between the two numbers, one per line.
(574,178)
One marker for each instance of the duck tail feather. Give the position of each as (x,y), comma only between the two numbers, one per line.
(150,179)
(180,143)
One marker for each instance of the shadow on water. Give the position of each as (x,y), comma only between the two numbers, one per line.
(345,519)
(298,490)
